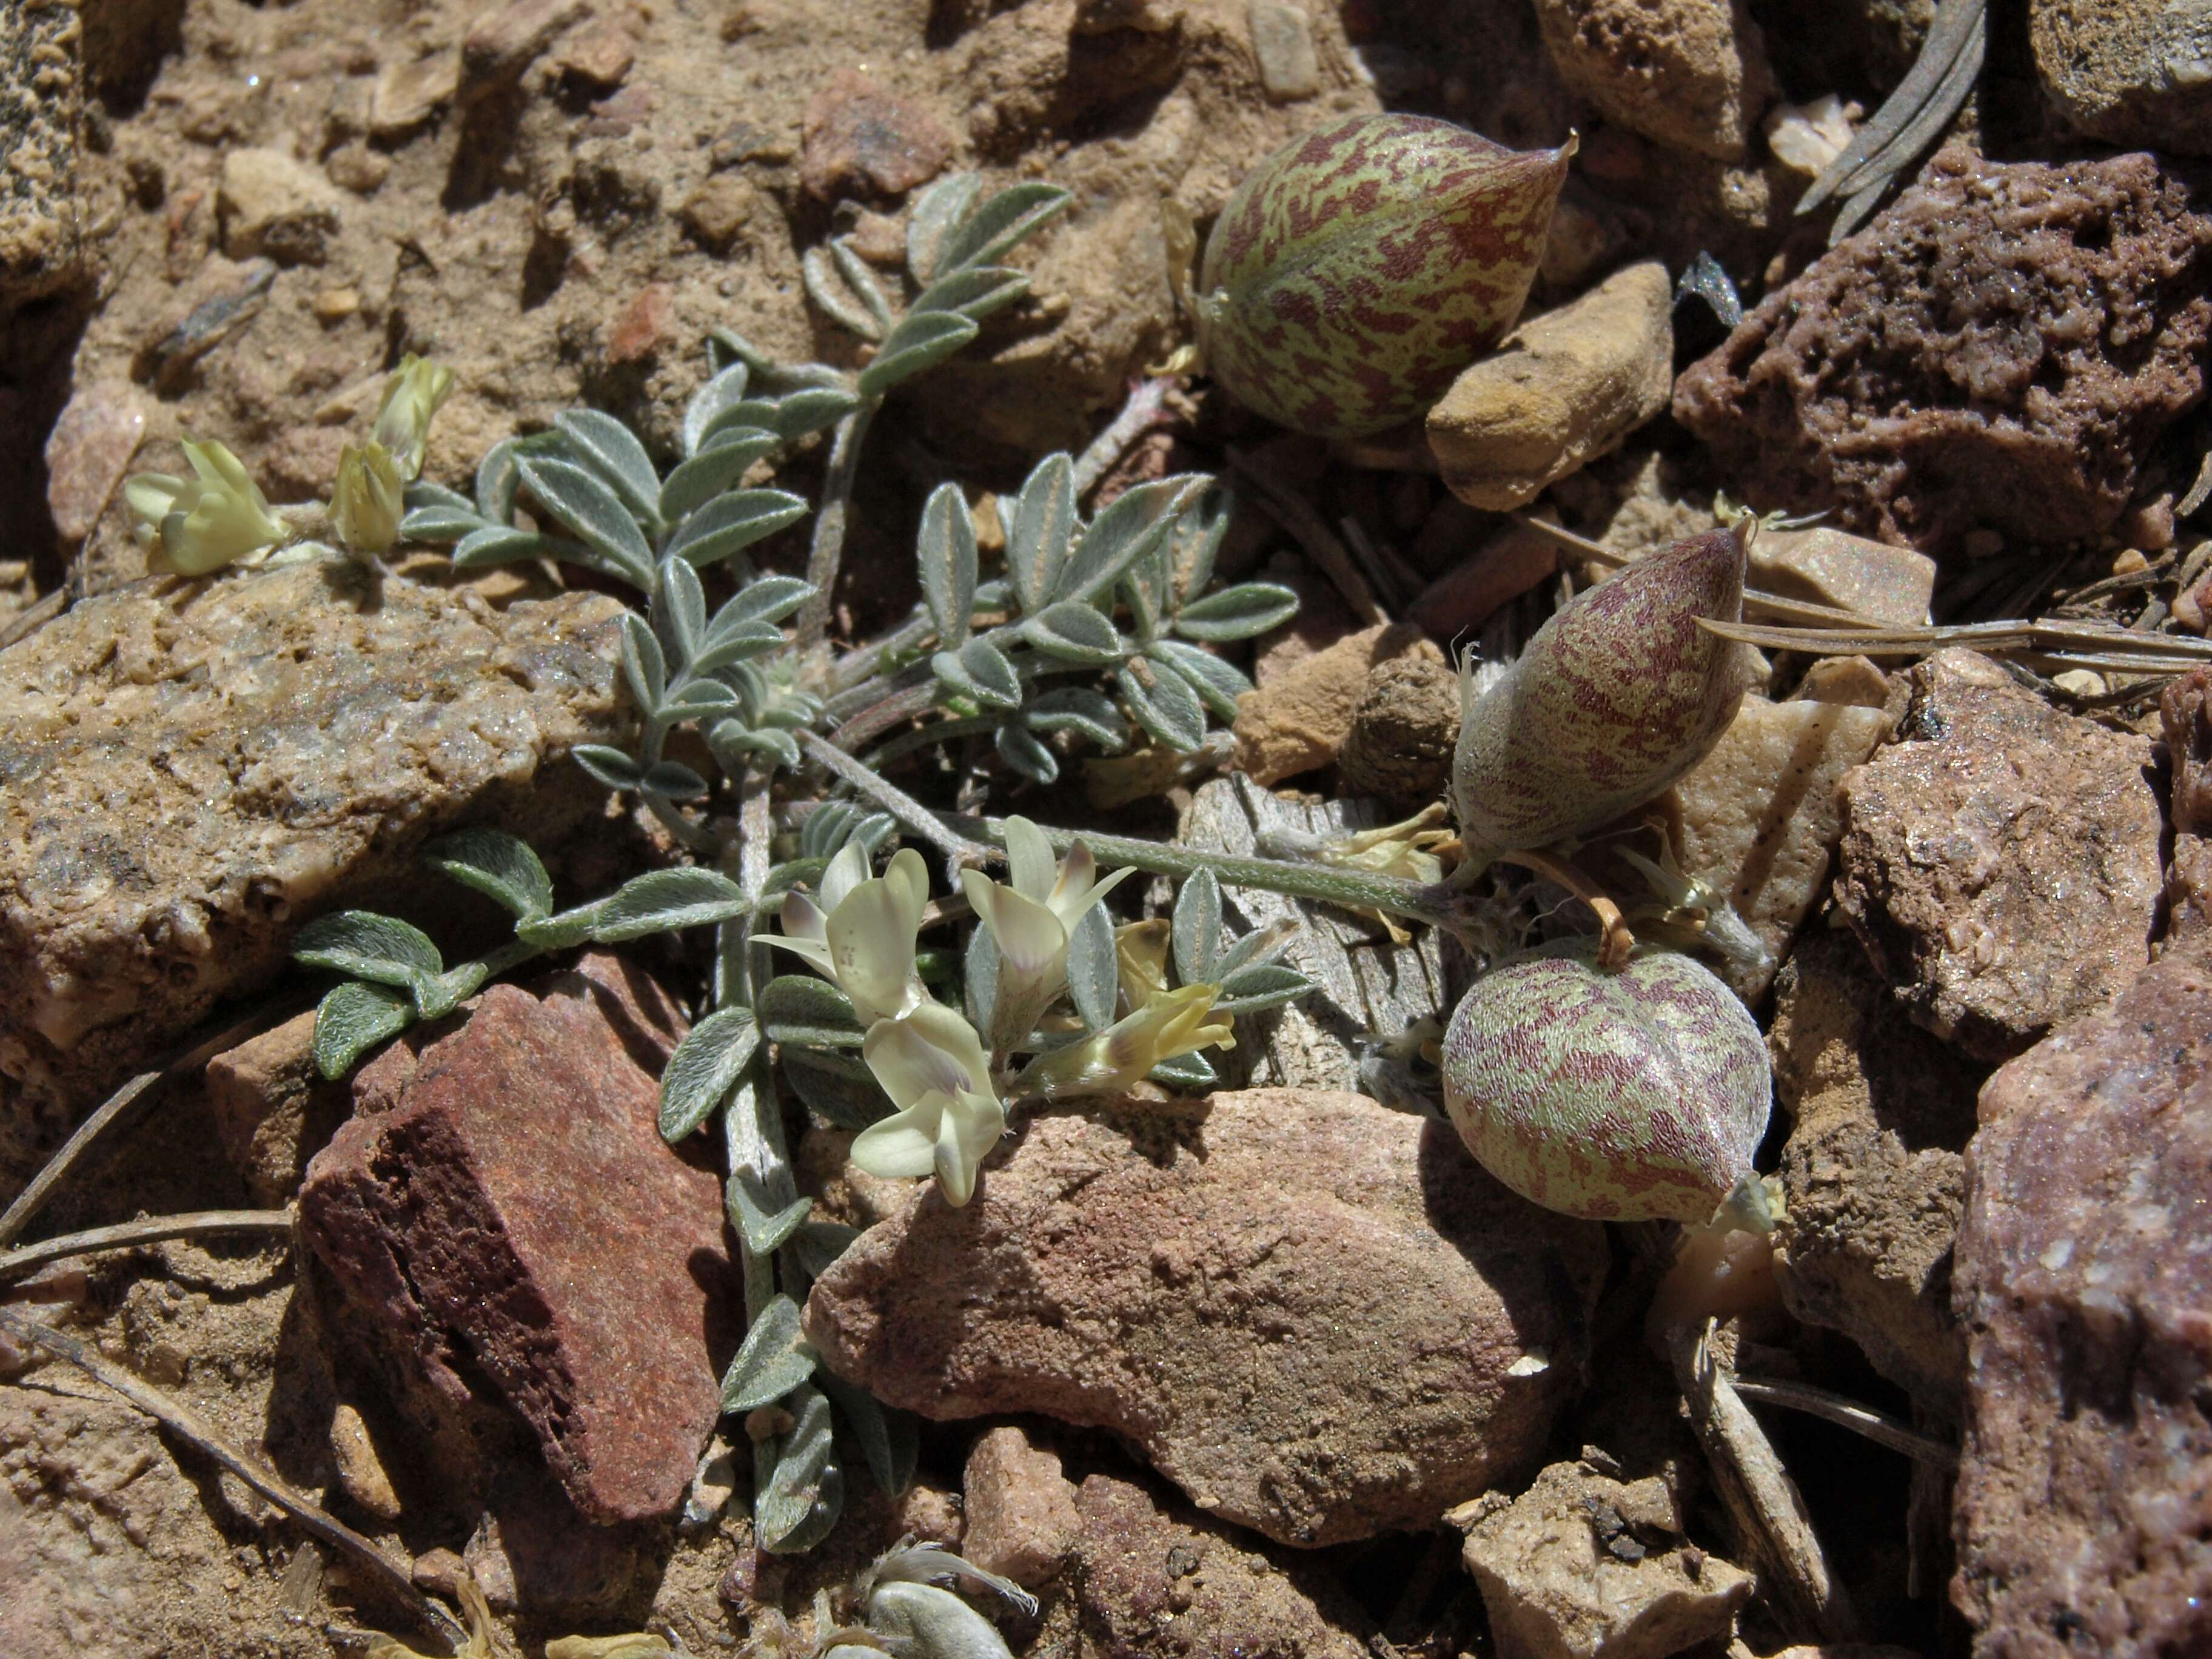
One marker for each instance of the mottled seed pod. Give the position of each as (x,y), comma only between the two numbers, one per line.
(1638,1095)
(1618,695)
(1355,272)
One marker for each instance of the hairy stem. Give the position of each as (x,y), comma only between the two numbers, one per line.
(855,667)
(895,710)
(829,519)
(929,825)
(1147,403)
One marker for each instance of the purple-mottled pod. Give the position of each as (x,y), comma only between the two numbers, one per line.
(1639,1095)
(1618,695)
(1355,272)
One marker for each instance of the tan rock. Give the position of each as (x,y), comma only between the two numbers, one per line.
(1759,819)
(273,1109)
(89,451)
(600,55)
(42,216)
(1496,573)
(1691,74)
(1853,572)
(1282,39)
(2135,73)
(1402,731)
(361,1471)
(1568,384)
(1299,720)
(501,45)
(1021,1517)
(1316,1316)
(720,207)
(270,203)
(409,93)
(1584,1566)
(2000,861)
(1871,1173)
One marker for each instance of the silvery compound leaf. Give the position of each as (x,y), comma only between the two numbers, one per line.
(679,609)
(828,286)
(502,868)
(1237,613)
(1196,929)
(804,1494)
(1093,972)
(717,467)
(920,341)
(732,522)
(497,479)
(1162,702)
(980,671)
(835,1087)
(353,1018)
(935,212)
(662,900)
(1249,989)
(774,1360)
(719,393)
(817,1245)
(764,1231)
(936,1623)
(798,1008)
(644,668)
(580,501)
(369,947)
(500,544)
(1016,212)
(1042,532)
(435,513)
(946,552)
(1027,753)
(612,450)
(889,1439)
(980,979)
(607,766)
(975,292)
(1218,683)
(1081,709)
(863,283)
(1186,1072)
(705,1066)
(1195,541)
(1132,528)
(813,409)
(696,699)
(1073,632)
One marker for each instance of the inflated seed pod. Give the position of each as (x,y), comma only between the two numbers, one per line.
(1635,1095)
(1355,272)
(1618,695)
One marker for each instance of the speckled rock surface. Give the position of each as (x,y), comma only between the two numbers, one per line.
(1691,74)
(189,771)
(2128,72)
(1020,1509)
(1584,1566)
(41,92)
(1999,349)
(2185,710)
(1871,1173)
(2000,860)
(1830,567)
(2083,1278)
(1314,1315)
(1160,1582)
(1299,720)
(514,1216)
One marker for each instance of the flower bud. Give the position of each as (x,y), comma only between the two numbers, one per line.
(411,398)
(1618,695)
(1355,272)
(1633,1094)
(366,504)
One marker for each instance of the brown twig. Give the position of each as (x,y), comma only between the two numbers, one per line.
(149,1229)
(1877,1426)
(1320,543)
(190,1426)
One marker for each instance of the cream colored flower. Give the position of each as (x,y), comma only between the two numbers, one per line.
(190,526)
(1175,1023)
(411,398)
(861,933)
(1032,919)
(931,1064)
(367,505)
(1140,955)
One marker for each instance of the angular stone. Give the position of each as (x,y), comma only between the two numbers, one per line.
(1159,1580)
(2134,73)
(857,136)
(501,45)
(42,243)
(1871,1174)
(1567,386)
(1691,74)
(516,1217)
(89,450)
(1282,39)
(409,93)
(1999,350)
(1829,566)
(1300,719)
(1316,1316)
(1021,1513)
(2001,861)
(272,204)
(2083,1281)
(1584,1566)
(601,54)
(718,210)
(188,771)
(1759,819)
(273,1109)
(2185,710)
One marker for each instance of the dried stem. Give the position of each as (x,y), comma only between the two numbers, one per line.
(1296,514)
(150,1230)
(1876,1426)
(1615,940)
(190,1426)
(1146,403)
(828,551)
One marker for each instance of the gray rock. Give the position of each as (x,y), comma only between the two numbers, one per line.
(1314,1315)
(1282,39)
(2000,861)
(2083,1279)
(190,770)
(2131,72)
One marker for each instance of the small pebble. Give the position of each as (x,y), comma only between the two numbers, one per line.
(335,305)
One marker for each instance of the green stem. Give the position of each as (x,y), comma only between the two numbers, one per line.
(924,737)
(930,826)
(854,667)
(830,520)
(896,709)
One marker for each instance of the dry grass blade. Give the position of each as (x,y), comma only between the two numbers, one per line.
(1292,510)
(1760,1499)
(151,1230)
(2059,644)
(1877,1426)
(1909,119)
(190,1426)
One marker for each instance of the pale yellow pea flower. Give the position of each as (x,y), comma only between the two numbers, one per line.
(861,932)
(931,1064)
(190,526)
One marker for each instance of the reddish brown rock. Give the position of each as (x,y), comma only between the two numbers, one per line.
(1021,1514)
(91,450)
(1316,1316)
(2000,861)
(1999,349)
(2186,720)
(1161,1582)
(858,136)
(515,1217)
(2083,1520)
(1402,731)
